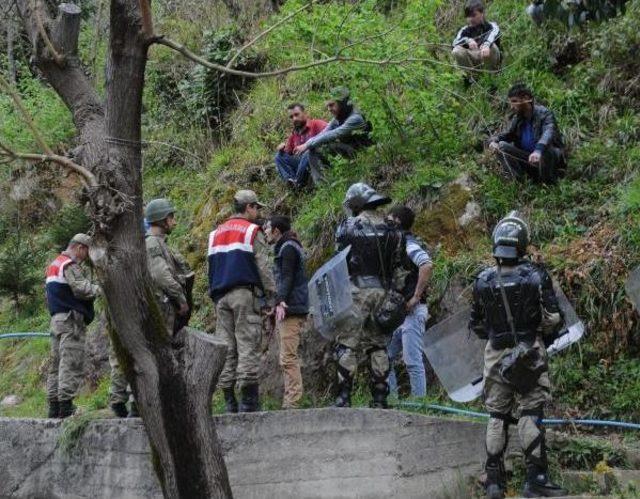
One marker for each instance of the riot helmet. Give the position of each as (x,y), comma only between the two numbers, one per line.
(361,196)
(510,237)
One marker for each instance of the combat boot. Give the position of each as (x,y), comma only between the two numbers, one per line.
(344,393)
(119,409)
(494,486)
(66,408)
(133,410)
(54,409)
(379,392)
(250,398)
(538,484)
(230,402)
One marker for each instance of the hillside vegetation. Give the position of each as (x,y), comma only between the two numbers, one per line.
(208,135)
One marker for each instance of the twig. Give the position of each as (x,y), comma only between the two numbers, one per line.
(57,57)
(25,115)
(267,31)
(55,158)
(162,40)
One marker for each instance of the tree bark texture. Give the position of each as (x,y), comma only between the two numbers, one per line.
(173,378)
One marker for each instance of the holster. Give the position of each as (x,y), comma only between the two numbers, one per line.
(522,367)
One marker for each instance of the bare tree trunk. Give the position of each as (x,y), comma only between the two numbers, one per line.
(11,59)
(173,378)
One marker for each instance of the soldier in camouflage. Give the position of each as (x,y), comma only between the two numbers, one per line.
(70,295)
(376,250)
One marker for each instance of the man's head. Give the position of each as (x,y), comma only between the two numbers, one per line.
(361,196)
(520,99)
(276,227)
(339,98)
(403,216)
(79,247)
(474,12)
(297,115)
(245,203)
(160,214)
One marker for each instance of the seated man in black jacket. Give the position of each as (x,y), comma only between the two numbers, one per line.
(532,144)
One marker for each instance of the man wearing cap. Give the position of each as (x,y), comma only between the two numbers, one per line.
(169,272)
(242,285)
(376,252)
(347,132)
(70,295)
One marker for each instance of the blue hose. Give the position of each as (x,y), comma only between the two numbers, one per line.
(464,412)
(24,335)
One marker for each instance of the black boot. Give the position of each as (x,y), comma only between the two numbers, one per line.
(539,485)
(250,398)
(496,478)
(379,392)
(230,402)
(54,409)
(133,410)
(66,409)
(345,383)
(119,409)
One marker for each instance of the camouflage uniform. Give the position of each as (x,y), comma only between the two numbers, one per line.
(67,343)
(119,389)
(239,322)
(169,272)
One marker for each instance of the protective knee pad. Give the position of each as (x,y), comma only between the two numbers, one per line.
(532,438)
(379,363)
(346,360)
(497,435)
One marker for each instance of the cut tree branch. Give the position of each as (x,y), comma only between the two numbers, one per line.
(267,31)
(57,57)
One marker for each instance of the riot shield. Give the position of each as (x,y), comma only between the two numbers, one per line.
(632,287)
(457,356)
(330,297)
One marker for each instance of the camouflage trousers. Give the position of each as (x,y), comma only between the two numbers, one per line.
(119,389)
(66,359)
(360,333)
(502,401)
(239,323)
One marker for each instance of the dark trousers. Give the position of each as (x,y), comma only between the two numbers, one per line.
(515,163)
(319,158)
(291,167)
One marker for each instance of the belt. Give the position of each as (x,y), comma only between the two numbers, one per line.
(367,281)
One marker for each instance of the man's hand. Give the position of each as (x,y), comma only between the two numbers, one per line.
(494,146)
(473,45)
(281,311)
(183,310)
(300,149)
(268,311)
(412,303)
(485,51)
(282,146)
(535,157)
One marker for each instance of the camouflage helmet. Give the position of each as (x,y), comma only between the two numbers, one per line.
(360,196)
(158,209)
(510,237)
(80,238)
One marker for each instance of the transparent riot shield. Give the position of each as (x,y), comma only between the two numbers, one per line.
(457,356)
(330,297)
(632,287)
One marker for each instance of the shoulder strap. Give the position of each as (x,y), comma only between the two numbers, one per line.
(505,302)
(385,283)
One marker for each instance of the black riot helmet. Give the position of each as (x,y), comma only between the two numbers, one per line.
(510,237)
(361,196)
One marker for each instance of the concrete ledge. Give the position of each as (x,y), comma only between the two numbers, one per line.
(316,453)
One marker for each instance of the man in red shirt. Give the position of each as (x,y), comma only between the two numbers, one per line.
(291,167)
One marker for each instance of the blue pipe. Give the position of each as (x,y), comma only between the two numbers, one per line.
(24,335)
(464,412)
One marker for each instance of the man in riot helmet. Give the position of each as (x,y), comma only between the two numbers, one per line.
(376,248)
(516,309)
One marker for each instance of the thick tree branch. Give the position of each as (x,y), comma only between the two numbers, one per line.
(147,19)
(267,31)
(57,57)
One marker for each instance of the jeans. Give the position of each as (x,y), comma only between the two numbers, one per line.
(408,338)
(292,167)
(515,163)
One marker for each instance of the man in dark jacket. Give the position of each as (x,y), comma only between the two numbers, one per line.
(345,134)
(477,45)
(532,144)
(292,300)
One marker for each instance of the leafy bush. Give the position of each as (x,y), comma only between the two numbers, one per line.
(70,220)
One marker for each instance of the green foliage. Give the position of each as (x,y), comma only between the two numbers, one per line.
(18,274)
(71,220)
(586,453)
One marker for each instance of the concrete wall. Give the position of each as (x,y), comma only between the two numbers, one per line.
(319,453)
